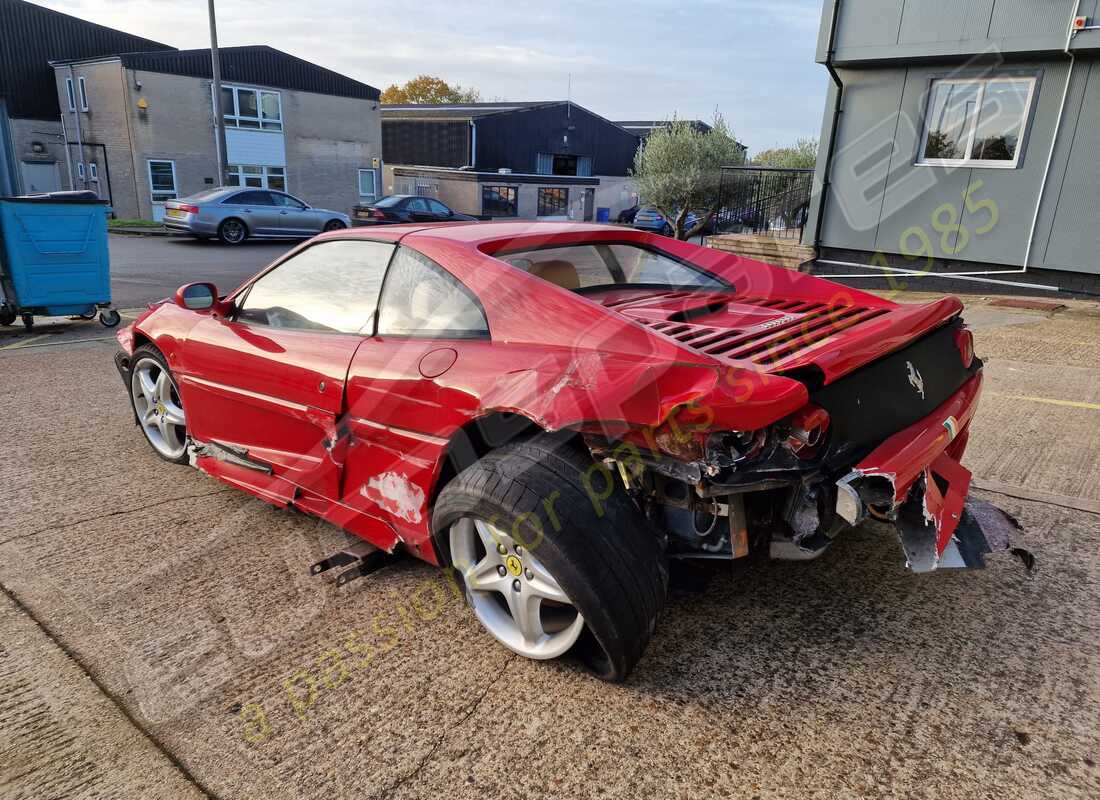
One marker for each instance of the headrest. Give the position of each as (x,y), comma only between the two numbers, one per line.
(556,271)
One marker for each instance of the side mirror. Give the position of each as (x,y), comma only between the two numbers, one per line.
(197,296)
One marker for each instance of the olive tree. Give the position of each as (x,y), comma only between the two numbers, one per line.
(801,155)
(678,170)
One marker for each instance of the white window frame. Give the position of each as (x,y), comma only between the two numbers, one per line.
(236,172)
(175,185)
(83,94)
(93,171)
(972,125)
(71,94)
(234,119)
(373,182)
(80,170)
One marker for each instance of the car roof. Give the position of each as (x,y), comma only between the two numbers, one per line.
(473,233)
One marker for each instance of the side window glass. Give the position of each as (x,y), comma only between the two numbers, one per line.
(423,299)
(331,286)
(251,199)
(286,201)
(438,208)
(417,205)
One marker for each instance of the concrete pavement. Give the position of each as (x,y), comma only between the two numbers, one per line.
(189,605)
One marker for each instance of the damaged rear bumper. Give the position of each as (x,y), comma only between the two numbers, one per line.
(914,479)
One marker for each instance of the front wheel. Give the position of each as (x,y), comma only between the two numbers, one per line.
(553,554)
(157,406)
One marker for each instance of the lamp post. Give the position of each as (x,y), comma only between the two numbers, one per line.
(219,115)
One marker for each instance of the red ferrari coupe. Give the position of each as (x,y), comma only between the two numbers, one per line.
(555,410)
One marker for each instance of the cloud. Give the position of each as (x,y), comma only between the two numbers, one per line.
(752,59)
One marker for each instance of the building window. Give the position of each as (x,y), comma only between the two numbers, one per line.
(252,108)
(499,201)
(83,94)
(977,123)
(258,177)
(162,180)
(553,202)
(93,171)
(70,94)
(368,184)
(80,170)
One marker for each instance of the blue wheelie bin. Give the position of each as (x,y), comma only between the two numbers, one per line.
(54,259)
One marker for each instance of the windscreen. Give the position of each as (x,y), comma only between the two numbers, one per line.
(585,266)
(392,200)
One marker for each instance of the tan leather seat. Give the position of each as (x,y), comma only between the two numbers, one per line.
(556,271)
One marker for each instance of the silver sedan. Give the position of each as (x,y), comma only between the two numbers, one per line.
(234,214)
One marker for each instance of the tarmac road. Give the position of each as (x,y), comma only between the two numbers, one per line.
(145,268)
(161,635)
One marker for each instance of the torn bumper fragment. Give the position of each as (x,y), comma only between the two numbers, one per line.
(914,479)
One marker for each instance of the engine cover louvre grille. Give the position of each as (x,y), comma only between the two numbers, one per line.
(803,325)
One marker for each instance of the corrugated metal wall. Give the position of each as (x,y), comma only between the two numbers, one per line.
(426,143)
(31,36)
(515,140)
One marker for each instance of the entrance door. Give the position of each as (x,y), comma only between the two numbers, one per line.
(270,382)
(40,177)
(589,204)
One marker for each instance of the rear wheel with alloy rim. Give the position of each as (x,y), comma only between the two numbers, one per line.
(554,556)
(512,593)
(157,405)
(334,225)
(232,231)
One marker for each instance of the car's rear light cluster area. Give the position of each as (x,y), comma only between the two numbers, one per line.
(802,325)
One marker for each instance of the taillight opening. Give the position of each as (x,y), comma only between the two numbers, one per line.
(808,432)
(188,209)
(964,340)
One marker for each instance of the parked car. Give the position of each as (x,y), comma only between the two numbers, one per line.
(396,208)
(556,410)
(650,219)
(626,216)
(234,214)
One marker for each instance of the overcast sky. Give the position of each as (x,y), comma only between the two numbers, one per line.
(753,60)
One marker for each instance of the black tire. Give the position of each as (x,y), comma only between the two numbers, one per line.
(109,318)
(150,352)
(334,225)
(610,564)
(7,316)
(232,231)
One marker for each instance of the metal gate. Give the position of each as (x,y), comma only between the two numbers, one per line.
(770,201)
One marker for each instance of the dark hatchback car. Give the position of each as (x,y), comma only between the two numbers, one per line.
(407,208)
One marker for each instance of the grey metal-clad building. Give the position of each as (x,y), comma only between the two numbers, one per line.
(966,135)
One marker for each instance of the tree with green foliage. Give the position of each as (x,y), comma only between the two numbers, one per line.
(679,170)
(801,155)
(428,89)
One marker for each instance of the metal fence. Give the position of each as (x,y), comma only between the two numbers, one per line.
(770,201)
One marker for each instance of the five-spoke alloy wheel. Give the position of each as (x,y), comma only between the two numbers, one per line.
(157,405)
(512,593)
(549,567)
